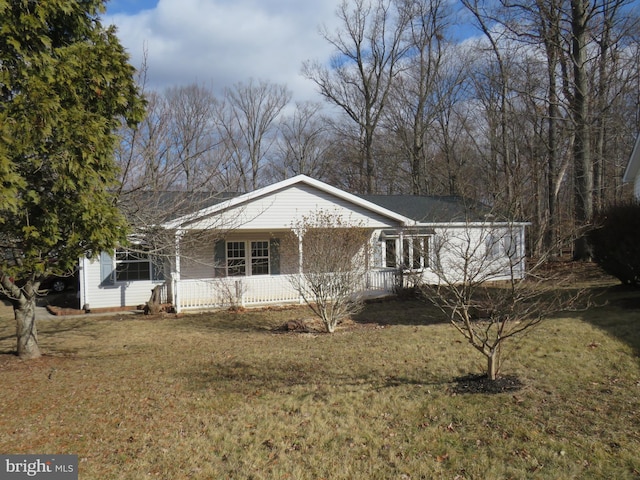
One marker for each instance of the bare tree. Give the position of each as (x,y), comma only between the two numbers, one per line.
(303,143)
(369,49)
(486,290)
(192,141)
(584,45)
(415,100)
(174,148)
(333,263)
(246,119)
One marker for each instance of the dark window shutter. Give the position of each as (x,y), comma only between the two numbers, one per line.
(220,258)
(106,269)
(274,256)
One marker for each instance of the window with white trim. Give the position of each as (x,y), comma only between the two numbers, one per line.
(132,265)
(254,253)
(236,259)
(502,244)
(391,260)
(415,252)
(260,258)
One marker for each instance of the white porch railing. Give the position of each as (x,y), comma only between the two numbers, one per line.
(261,290)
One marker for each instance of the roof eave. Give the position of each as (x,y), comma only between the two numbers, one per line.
(181,222)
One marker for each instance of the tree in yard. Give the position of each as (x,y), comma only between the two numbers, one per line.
(303,144)
(418,95)
(246,119)
(332,265)
(65,87)
(370,48)
(484,289)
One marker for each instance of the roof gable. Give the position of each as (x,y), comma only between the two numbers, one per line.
(306,186)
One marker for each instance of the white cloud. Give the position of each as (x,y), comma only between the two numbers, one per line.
(222,42)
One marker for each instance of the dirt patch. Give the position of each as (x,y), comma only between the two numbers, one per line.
(482,384)
(315,325)
(571,272)
(60,311)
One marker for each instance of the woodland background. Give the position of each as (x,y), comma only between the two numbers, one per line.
(535,116)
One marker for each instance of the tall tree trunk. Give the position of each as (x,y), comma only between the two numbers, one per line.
(583,162)
(551,234)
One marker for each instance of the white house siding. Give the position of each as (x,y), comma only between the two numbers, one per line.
(281,209)
(120,294)
(196,255)
(466,256)
(199,262)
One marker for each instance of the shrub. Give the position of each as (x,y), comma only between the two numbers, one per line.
(616,242)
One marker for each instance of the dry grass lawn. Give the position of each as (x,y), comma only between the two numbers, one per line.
(223,395)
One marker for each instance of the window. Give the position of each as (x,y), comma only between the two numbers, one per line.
(260,258)
(406,253)
(500,245)
(420,253)
(415,253)
(236,262)
(390,255)
(254,254)
(132,265)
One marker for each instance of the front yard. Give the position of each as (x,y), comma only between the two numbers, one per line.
(225,395)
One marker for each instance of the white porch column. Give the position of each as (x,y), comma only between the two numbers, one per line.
(84,283)
(300,234)
(175,274)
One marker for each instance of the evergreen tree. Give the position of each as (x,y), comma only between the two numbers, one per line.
(65,87)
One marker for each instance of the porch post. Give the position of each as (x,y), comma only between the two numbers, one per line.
(300,261)
(175,275)
(400,261)
(401,249)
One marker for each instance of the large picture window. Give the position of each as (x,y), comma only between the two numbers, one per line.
(132,265)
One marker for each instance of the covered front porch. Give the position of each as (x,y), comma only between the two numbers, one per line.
(250,268)
(204,293)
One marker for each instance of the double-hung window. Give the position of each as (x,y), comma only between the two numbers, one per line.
(260,258)
(416,253)
(236,259)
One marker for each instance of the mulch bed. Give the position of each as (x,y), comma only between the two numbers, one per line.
(482,384)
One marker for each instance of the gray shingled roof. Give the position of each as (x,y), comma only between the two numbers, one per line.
(427,209)
(149,207)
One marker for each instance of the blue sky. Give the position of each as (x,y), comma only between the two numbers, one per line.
(130,6)
(223,42)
